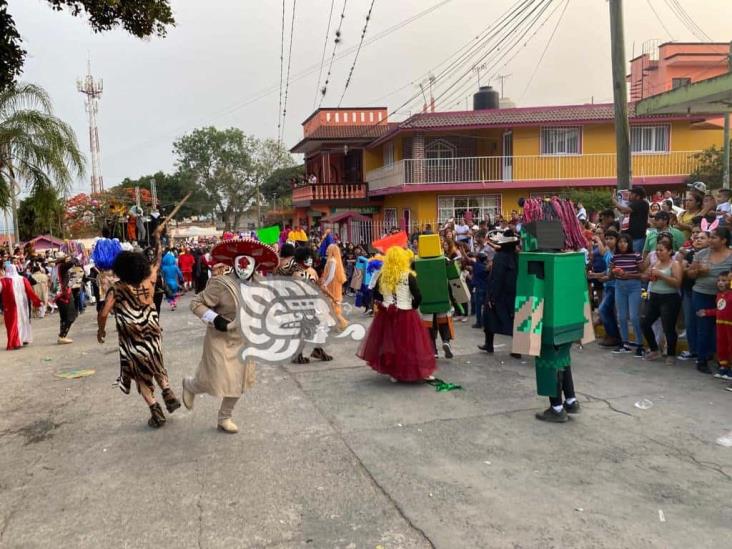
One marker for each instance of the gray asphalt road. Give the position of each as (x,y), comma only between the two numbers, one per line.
(334,455)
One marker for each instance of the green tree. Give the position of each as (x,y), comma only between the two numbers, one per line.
(710,167)
(278,184)
(594,200)
(37,150)
(229,167)
(171,188)
(41,213)
(141,18)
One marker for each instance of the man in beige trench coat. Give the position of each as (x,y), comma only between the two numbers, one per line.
(221,372)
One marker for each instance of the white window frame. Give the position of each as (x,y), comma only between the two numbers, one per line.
(438,151)
(486,203)
(553,141)
(389,154)
(636,133)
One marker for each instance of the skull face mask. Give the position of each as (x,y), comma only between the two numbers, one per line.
(244,267)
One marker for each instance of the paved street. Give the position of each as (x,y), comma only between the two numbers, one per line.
(334,455)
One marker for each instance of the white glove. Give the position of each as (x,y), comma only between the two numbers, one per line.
(208,317)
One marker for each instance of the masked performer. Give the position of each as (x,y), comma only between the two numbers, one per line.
(16,292)
(303,269)
(221,372)
(64,299)
(105,252)
(138,330)
(397,343)
(332,282)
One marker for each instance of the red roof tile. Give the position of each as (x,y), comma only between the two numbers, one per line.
(345,133)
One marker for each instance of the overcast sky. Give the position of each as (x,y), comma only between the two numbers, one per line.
(220,64)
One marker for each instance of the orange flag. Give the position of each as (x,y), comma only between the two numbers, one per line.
(398,239)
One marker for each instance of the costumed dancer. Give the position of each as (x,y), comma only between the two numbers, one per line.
(332,282)
(41,288)
(397,344)
(138,330)
(64,300)
(723,315)
(172,275)
(552,309)
(500,297)
(303,269)
(104,253)
(221,372)
(16,293)
(286,265)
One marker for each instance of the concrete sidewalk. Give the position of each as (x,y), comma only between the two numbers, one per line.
(334,455)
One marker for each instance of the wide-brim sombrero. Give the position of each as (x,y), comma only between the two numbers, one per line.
(264,256)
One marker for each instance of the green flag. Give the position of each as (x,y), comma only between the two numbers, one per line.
(269,235)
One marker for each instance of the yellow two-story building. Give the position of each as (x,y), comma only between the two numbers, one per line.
(437,166)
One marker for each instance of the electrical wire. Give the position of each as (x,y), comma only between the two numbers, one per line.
(325,47)
(282,68)
(337,41)
(687,21)
(355,58)
(542,5)
(463,52)
(653,9)
(473,49)
(543,53)
(289,62)
(265,92)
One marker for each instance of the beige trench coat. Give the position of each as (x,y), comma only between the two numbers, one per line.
(221,372)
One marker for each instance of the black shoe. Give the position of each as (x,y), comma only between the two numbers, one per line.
(171,402)
(553,417)
(157,418)
(703,367)
(486,348)
(516,355)
(573,408)
(448,350)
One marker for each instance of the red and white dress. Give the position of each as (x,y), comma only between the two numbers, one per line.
(15,292)
(397,343)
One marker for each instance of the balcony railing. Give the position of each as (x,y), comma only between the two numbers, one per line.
(330,191)
(497,169)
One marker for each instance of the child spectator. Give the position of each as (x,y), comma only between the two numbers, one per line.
(625,268)
(723,315)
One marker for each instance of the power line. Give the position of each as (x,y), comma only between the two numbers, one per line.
(265,92)
(483,40)
(543,53)
(289,62)
(471,46)
(322,58)
(693,24)
(504,32)
(543,4)
(355,58)
(650,5)
(687,21)
(282,67)
(332,57)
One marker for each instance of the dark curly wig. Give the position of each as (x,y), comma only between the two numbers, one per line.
(131,268)
(302,254)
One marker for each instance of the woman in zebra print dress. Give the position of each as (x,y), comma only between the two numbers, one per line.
(138,329)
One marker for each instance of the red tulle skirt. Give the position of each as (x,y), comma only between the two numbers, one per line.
(397,344)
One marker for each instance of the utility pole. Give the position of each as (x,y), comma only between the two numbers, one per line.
(154,194)
(620,95)
(725,156)
(92,89)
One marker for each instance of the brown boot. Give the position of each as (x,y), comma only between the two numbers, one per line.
(300,359)
(157,418)
(171,402)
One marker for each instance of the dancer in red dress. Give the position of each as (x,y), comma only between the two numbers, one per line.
(397,343)
(15,292)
